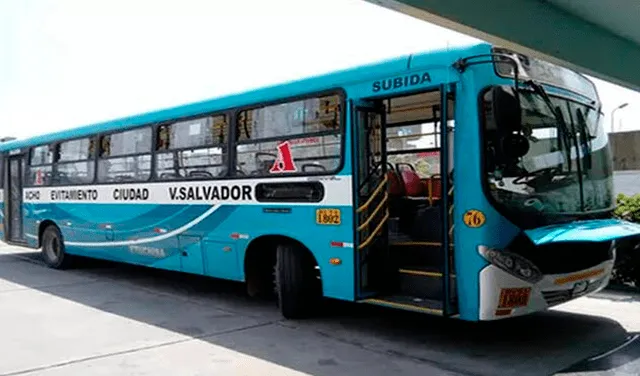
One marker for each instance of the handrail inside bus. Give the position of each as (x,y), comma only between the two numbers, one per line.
(382,184)
(374,232)
(375,212)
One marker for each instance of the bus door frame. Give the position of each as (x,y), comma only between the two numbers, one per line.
(358,107)
(9,204)
(446,90)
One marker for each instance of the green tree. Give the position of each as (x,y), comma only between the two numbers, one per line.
(628,207)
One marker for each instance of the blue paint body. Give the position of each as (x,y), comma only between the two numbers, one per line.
(209,246)
(203,242)
(591,231)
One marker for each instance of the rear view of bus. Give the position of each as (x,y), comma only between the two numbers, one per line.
(546,187)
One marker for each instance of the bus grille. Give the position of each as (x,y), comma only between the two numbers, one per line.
(556,296)
(560,296)
(561,258)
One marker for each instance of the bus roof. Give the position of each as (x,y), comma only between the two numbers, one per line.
(434,58)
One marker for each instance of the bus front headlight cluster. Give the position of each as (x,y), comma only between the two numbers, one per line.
(511,263)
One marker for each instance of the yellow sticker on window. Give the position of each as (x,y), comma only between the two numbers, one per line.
(328,216)
(474,218)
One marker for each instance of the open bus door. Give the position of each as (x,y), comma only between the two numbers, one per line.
(373,267)
(404,221)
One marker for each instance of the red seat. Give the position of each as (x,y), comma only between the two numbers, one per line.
(436,187)
(395,187)
(413,187)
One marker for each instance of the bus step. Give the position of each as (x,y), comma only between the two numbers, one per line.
(397,237)
(407,303)
(424,282)
(417,254)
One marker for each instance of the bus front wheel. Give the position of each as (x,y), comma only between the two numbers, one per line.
(297,285)
(53,251)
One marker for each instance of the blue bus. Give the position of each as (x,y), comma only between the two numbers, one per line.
(473,183)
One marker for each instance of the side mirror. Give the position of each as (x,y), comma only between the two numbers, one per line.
(506,108)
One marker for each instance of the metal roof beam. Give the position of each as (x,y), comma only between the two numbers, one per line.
(537,28)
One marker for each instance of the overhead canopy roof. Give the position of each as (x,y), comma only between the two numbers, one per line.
(597,37)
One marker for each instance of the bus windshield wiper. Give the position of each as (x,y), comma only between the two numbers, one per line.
(564,129)
(585,135)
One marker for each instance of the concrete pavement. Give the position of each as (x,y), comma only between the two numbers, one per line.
(109,319)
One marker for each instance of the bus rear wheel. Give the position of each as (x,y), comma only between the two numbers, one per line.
(53,250)
(297,285)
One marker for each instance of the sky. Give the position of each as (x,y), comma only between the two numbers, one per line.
(67,63)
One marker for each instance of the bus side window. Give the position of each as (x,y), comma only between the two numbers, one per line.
(298,137)
(414,136)
(75,162)
(125,156)
(192,149)
(40,166)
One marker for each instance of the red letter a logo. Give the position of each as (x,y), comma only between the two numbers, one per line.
(284,163)
(38,177)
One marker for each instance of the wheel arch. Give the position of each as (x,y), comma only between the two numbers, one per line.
(260,260)
(42,226)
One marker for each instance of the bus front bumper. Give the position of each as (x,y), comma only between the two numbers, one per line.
(503,295)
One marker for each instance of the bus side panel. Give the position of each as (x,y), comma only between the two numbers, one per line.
(197,239)
(75,221)
(33,215)
(156,235)
(469,196)
(100,230)
(323,241)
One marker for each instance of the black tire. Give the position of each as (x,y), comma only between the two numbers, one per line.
(297,284)
(53,250)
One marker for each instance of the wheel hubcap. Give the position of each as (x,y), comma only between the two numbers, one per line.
(52,248)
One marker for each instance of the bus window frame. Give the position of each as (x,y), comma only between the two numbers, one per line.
(231,115)
(228,114)
(56,161)
(342,95)
(484,184)
(26,182)
(435,119)
(123,130)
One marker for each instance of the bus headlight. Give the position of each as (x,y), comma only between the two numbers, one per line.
(511,263)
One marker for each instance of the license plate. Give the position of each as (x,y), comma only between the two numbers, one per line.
(514,297)
(328,216)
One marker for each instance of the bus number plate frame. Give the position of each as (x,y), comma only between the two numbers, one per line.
(328,217)
(514,297)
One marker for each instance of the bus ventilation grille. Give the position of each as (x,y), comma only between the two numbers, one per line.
(561,296)
(556,296)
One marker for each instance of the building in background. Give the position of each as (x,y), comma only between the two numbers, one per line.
(626,161)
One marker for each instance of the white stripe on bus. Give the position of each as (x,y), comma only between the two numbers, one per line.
(336,192)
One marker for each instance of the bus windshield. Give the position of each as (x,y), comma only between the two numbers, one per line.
(567,169)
